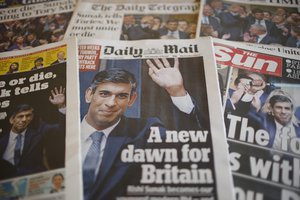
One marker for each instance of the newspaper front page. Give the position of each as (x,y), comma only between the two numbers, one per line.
(133,20)
(33,121)
(28,26)
(261,112)
(258,22)
(162,134)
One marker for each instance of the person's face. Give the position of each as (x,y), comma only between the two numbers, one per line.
(172,26)
(282,112)
(57,181)
(147,21)
(20,40)
(253,31)
(244,82)
(207,11)
(21,121)
(61,55)
(30,37)
(14,66)
(129,20)
(38,63)
(108,103)
(259,16)
(267,16)
(182,25)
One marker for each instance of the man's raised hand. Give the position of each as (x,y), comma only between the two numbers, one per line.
(166,76)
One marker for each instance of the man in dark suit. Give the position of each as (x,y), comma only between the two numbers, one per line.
(109,95)
(22,148)
(143,30)
(280,122)
(259,35)
(207,18)
(257,17)
(233,22)
(38,63)
(171,30)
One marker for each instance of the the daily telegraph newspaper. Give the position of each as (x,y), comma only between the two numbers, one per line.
(261,22)
(28,26)
(261,112)
(33,121)
(157,109)
(135,20)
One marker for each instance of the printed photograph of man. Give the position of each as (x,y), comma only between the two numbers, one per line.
(259,24)
(57,183)
(105,131)
(137,27)
(22,148)
(279,120)
(60,58)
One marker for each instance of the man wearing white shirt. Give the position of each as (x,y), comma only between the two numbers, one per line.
(281,123)
(22,149)
(171,30)
(110,94)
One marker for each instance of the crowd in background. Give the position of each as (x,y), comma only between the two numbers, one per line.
(278,26)
(32,32)
(154,27)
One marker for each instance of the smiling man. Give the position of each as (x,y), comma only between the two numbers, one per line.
(105,131)
(22,149)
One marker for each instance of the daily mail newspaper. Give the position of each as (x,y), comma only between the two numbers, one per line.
(33,121)
(261,112)
(135,20)
(260,22)
(156,107)
(28,26)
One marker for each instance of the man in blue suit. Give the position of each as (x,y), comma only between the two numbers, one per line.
(109,95)
(22,149)
(171,30)
(280,122)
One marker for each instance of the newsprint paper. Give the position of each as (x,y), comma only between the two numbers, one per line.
(156,106)
(33,121)
(135,20)
(272,22)
(32,25)
(261,112)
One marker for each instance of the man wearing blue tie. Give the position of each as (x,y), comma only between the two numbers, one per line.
(105,131)
(22,149)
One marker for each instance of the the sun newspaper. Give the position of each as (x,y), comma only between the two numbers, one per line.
(272,22)
(260,86)
(35,94)
(154,148)
(28,26)
(135,20)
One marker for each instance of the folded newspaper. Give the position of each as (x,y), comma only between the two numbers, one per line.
(34,86)
(154,109)
(261,112)
(31,25)
(135,20)
(273,22)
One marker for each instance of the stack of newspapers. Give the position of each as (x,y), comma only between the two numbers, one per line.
(150,100)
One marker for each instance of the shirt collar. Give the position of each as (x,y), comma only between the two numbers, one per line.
(15,135)
(87,130)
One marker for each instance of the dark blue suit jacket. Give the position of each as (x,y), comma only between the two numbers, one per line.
(32,158)
(269,125)
(269,40)
(182,35)
(216,25)
(234,25)
(114,175)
